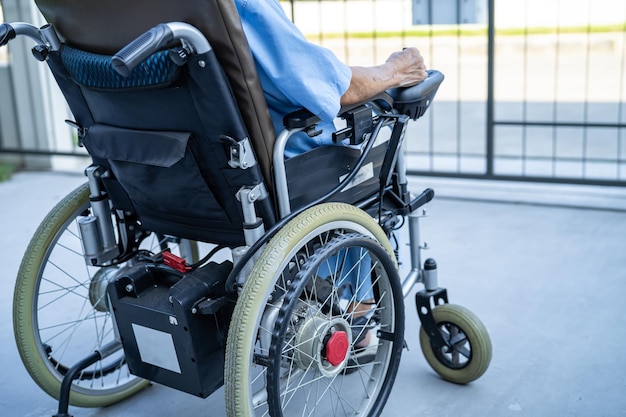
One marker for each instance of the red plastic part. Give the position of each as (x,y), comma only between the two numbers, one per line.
(175,262)
(337,348)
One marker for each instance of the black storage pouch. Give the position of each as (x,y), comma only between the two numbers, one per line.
(159,172)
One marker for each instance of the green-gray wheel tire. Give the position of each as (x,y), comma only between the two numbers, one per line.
(471,353)
(39,298)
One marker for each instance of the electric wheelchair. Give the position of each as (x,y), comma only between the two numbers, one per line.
(196,256)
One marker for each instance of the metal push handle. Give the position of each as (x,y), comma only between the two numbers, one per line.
(7,33)
(125,60)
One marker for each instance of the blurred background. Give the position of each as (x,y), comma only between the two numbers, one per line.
(534,89)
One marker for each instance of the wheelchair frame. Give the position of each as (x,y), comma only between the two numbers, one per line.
(101,246)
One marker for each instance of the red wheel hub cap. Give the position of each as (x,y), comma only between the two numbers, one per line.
(337,348)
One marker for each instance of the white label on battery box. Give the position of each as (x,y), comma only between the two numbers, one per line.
(156,348)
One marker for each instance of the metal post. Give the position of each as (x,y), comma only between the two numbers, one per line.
(491,32)
(415,275)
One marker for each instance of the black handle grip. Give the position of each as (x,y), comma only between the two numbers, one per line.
(414,101)
(7,33)
(125,60)
(419,91)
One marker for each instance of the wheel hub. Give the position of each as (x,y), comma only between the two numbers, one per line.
(337,347)
(323,343)
(98,288)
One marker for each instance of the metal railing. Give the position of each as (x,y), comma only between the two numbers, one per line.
(534,89)
(533,92)
(578,134)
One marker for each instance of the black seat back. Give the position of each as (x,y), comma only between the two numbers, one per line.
(105,26)
(166,133)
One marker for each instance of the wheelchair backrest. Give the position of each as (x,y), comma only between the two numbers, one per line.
(167,131)
(105,26)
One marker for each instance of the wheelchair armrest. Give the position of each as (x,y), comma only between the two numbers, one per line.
(303,118)
(300,119)
(413,101)
(382,100)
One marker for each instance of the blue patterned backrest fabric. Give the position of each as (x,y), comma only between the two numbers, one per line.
(95,71)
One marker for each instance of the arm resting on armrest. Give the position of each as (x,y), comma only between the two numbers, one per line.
(402,69)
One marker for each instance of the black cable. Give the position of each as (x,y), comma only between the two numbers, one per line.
(207,257)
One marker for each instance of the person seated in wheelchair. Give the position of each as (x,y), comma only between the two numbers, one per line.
(184,151)
(296,74)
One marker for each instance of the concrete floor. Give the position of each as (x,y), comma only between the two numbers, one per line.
(544,267)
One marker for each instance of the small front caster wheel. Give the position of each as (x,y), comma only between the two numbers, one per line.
(467,352)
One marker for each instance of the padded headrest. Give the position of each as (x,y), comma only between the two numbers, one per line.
(105,26)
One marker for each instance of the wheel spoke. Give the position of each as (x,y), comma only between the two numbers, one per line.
(68,291)
(73,251)
(67,274)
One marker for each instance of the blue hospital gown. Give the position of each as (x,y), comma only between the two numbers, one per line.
(294,72)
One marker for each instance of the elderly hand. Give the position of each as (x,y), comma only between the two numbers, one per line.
(402,69)
(408,67)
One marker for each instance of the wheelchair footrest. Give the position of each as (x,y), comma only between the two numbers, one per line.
(425,197)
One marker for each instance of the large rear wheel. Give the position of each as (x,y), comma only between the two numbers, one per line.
(292,345)
(61,313)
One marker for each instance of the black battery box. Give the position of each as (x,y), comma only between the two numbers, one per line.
(173,325)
